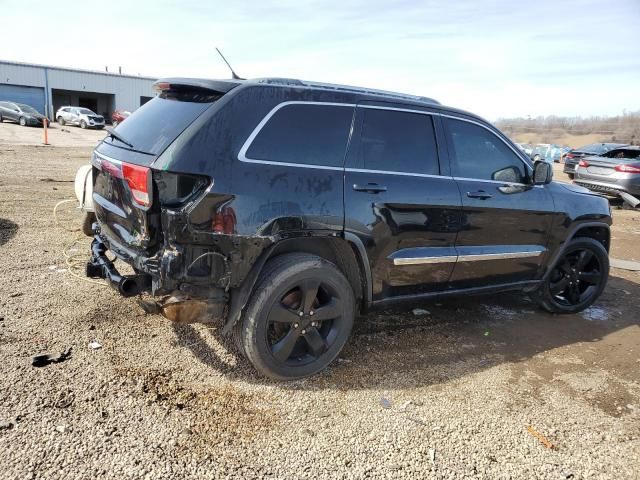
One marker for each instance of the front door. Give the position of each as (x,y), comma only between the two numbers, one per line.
(507,220)
(400,200)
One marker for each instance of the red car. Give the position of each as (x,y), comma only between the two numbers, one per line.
(119,116)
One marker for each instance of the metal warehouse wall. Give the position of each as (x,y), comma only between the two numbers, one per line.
(127,89)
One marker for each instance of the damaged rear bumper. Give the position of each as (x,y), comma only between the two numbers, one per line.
(178,305)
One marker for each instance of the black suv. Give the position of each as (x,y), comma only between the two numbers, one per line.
(283,208)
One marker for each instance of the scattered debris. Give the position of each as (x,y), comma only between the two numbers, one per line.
(403,407)
(385,403)
(8,424)
(418,421)
(44,359)
(432,455)
(94,345)
(48,180)
(625,264)
(63,429)
(15,294)
(344,360)
(544,440)
(597,314)
(418,312)
(149,306)
(486,334)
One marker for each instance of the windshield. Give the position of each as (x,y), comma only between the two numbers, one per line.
(156,124)
(85,111)
(27,108)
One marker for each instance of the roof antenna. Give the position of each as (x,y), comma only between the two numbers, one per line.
(234,75)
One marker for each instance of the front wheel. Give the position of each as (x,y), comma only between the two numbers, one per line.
(577,279)
(23,122)
(571,175)
(114,124)
(299,317)
(61,121)
(83,124)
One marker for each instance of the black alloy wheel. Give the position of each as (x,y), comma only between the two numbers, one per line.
(304,322)
(577,279)
(299,317)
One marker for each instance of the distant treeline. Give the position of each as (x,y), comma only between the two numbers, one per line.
(623,128)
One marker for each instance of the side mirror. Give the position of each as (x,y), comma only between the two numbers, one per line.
(542,172)
(507,175)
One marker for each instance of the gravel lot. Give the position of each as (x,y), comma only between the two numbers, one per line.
(448,394)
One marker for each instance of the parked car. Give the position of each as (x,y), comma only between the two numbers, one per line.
(616,173)
(82,117)
(118,117)
(23,114)
(572,158)
(283,208)
(527,148)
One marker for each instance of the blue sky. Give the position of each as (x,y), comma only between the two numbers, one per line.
(496,58)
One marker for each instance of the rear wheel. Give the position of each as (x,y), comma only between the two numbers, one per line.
(1,119)
(83,124)
(61,121)
(299,317)
(23,122)
(577,279)
(571,175)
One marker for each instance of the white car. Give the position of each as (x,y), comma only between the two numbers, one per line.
(83,117)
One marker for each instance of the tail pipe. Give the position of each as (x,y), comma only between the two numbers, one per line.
(99,266)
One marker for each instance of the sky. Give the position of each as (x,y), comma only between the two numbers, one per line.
(496,58)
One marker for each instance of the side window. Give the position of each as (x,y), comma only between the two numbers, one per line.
(397,141)
(311,134)
(478,153)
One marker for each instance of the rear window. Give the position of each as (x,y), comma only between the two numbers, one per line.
(304,134)
(156,124)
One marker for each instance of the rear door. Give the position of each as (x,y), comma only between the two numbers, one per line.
(506,220)
(400,200)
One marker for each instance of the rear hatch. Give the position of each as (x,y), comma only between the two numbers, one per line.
(125,191)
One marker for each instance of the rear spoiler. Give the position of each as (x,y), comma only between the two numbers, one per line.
(218,86)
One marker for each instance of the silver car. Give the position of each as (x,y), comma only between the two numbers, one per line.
(83,117)
(615,173)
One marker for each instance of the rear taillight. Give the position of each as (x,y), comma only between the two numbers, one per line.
(139,180)
(224,221)
(583,163)
(628,168)
(569,155)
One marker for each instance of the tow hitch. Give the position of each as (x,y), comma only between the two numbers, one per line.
(99,266)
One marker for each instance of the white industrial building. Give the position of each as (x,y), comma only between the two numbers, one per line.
(47,88)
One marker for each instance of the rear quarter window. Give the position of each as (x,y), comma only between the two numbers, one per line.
(308,134)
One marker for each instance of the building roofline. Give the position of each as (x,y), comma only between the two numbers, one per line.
(76,70)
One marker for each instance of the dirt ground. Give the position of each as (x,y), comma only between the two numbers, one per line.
(459,392)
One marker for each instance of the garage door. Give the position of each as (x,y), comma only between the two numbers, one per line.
(33,96)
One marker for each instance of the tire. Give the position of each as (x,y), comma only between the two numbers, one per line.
(536,158)
(87,220)
(83,124)
(22,122)
(61,121)
(1,119)
(568,274)
(281,314)
(100,127)
(114,124)
(571,175)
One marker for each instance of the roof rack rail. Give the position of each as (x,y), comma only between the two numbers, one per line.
(344,88)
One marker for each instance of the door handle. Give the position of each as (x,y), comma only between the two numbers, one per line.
(369,188)
(481,194)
